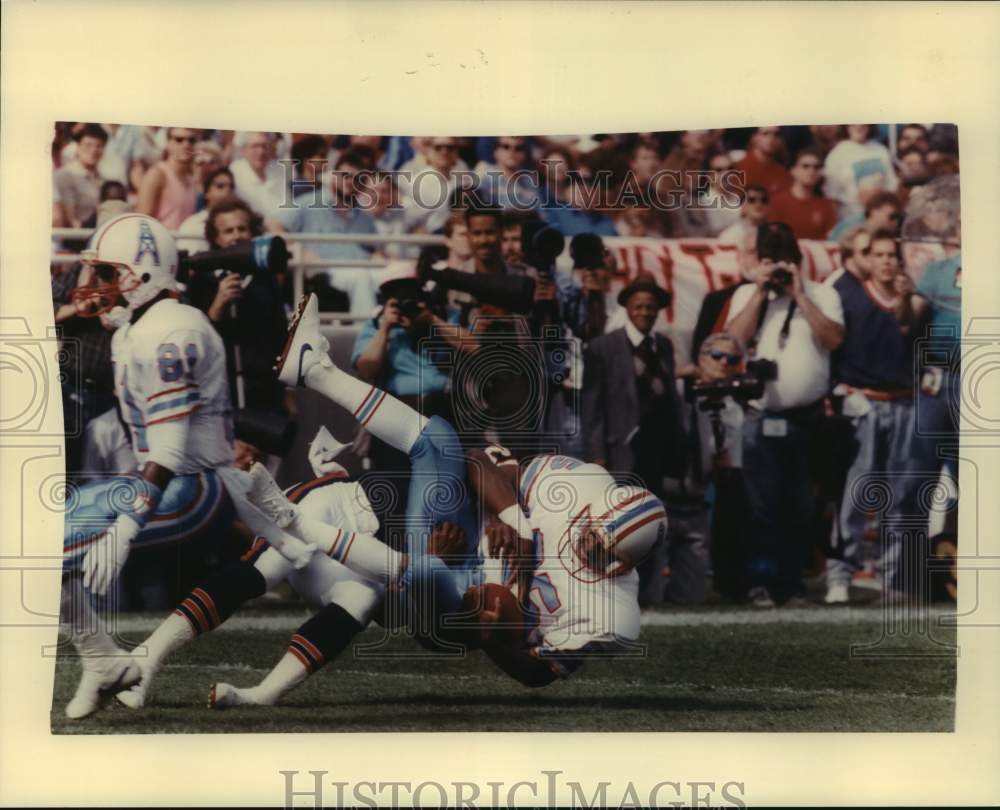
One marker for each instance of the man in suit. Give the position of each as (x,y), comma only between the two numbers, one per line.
(631,411)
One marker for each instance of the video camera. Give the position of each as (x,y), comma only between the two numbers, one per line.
(262,253)
(742,388)
(541,245)
(512,293)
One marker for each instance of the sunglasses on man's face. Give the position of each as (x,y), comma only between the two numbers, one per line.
(516,147)
(731,359)
(444,147)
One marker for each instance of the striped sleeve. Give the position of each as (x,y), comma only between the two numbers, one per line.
(172,403)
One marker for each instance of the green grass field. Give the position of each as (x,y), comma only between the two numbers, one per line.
(704,670)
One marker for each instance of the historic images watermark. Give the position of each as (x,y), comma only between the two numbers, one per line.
(319,789)
(666,190)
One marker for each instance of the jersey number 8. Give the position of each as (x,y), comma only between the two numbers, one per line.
(170,363)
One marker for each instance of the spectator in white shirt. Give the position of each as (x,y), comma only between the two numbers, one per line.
(429,193)
(260,179)
(795,324)
(856,169)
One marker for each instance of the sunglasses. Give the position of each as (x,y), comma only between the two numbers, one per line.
(444,147)
(517,147)
(753,198)
(183,138)
(731,359)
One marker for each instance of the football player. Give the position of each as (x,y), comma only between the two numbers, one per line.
(583,583)
(170,380)
(570,538)
(345,600)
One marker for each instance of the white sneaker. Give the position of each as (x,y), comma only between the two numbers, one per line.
(760,597)
(101,676)
(225,696)
(267,496)
(305,346)
(836,595)
(135,696)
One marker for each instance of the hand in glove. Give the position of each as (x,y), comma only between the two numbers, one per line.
(107,555)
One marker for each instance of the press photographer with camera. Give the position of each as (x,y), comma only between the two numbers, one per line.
(796,324)
(387,353)
(720,393)
(237,283)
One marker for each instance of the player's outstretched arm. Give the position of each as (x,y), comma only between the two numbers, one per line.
(107,556)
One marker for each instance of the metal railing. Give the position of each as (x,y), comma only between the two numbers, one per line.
(297,266)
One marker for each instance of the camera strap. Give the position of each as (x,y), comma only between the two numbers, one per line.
(785,327)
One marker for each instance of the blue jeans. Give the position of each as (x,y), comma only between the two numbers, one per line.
(438,492)
(935,423)
(779,491)
(885,446)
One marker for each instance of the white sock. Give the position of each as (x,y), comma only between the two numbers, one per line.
(379,413)
(288,673)
(362,553)
(175,631)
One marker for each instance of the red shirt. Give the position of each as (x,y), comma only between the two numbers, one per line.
(770,174)
(813,218)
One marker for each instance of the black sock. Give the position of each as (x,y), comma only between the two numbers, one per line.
(324,636)
(218,597)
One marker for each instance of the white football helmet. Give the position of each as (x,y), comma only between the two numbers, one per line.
(637,522)
(612,542)
(132,259)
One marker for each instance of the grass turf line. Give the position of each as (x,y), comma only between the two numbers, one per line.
(697,678)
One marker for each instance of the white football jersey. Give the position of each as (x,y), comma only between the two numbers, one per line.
(574,606)
(170,365)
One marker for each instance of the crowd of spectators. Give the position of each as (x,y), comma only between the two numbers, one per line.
(582,370)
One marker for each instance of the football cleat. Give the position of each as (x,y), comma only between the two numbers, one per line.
(267,496)
(225,696)
(135,696)
(101,676)
(305,345)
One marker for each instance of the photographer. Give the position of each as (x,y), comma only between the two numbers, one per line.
(593,265)
(720,423)
(796,324)
(246,310)
(387,354)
